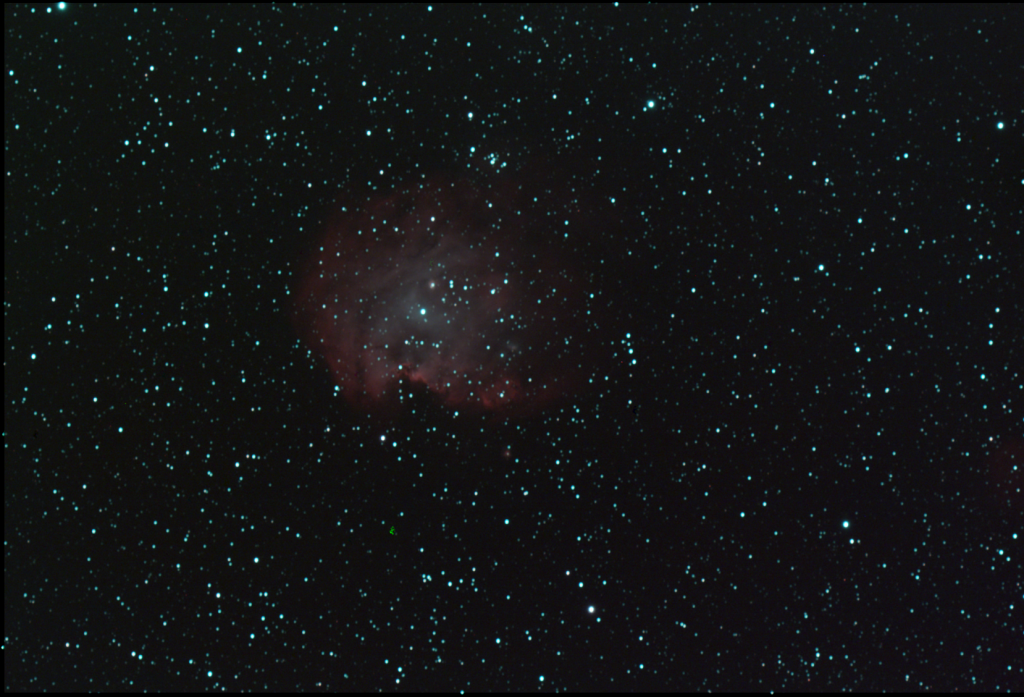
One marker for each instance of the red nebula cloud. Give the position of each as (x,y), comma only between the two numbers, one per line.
(461,286)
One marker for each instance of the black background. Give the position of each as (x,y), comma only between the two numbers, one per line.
(800,469)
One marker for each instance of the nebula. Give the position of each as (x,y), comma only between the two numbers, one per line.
(467,287)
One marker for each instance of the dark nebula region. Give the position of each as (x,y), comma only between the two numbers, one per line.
(463,288)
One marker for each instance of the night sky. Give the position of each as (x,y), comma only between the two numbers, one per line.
(513,348)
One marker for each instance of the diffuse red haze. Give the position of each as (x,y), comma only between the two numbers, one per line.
(462,287)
